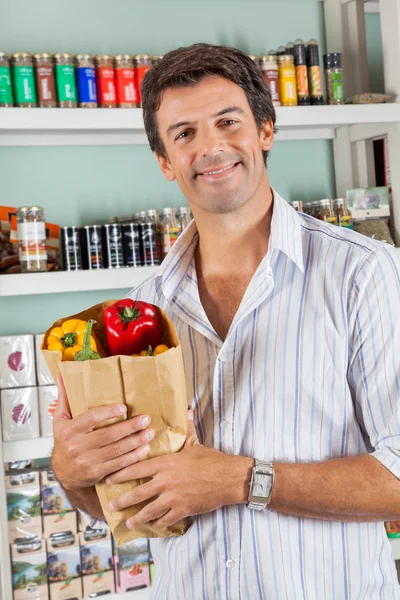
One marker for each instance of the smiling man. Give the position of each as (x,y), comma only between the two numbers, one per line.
(290,336)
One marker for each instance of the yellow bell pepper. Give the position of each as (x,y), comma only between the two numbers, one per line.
(68,338)
(150,352)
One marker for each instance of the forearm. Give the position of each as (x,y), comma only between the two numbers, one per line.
(87,500)
(354,489)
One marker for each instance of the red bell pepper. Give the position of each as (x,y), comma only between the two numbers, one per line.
(131,327)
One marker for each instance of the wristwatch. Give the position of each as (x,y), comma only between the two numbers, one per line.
(261,485)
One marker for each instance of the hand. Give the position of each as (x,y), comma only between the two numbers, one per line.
(190,482)
(83,456)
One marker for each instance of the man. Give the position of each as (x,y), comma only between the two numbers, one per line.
(289,331)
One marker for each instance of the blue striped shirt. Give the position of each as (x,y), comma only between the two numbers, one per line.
(308,372)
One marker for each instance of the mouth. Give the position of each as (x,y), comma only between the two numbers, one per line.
(219,173)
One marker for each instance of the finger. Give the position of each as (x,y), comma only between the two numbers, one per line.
(127,444)
(141,470)
(167,520)
(62,410)
(114,433)
(191,434)
(125,461)
(95,416)
(152,511)
(142,492)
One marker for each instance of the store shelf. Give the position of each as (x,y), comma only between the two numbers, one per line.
(395,543)
(27,449)
(26,284)
(144,594)
(66,127)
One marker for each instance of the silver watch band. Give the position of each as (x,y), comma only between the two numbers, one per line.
(262,470)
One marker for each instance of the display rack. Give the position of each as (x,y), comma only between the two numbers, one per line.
(352,129)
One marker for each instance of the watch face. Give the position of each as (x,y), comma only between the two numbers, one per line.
(261,486)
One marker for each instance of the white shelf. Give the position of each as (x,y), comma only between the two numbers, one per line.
(26,284)
(27,449)
(66,127)
(395,543)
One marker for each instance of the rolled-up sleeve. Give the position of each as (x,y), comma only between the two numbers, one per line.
(374,365)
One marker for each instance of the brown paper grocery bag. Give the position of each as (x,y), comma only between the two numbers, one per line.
(153,385)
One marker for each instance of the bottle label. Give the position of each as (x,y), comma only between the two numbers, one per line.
(45,83)
(126,86)
(24,82)
(314,74)
(337,87)
(6,96)
(302,81)
(288,85)
(86,80)
(66,86)
(141,72)
(271,79)
(32,241)
(106,86)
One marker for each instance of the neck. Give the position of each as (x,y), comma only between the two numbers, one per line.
(235,243)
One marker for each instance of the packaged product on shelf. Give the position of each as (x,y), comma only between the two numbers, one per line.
(48,395)
(24,513)
(44,376)
(170,231)
(65,80)
(20,480)
(300,59)
(148,231)
(29,571)
(20,415)
(64,567)
(126,81)
(71,253)
(143,63)
(270,70)
(132,245)
(92,247)
(113,248)
(314,74)
(31,239)
(45,80)
(58,514)
(17,361)
(122,377)
(6,94)
(105,77)
(96,566)
(334,78)
(52,242)
(152,570)
(131,566)
(9,259)
(86,81)
(287,80)
(23,77)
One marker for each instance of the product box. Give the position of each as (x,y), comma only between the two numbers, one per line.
(59,515)
(131,565)
(24,512)
(84,525)
(96,566)
(19,480)
(29,571)
(368,203)
(42,370)
(20,414)
(17,361)
(47,404)
(64,567)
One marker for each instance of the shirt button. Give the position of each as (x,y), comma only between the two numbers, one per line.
(230,563)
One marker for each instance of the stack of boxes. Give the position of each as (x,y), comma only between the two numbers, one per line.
(26,409)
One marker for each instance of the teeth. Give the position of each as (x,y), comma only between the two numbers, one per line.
(220,171)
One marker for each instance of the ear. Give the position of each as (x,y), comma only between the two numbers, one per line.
(267,135)
(165,167)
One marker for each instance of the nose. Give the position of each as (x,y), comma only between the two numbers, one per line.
(210,142)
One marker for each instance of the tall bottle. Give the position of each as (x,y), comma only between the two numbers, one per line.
(314,74)
(300,60)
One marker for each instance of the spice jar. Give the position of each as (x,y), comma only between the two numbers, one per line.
(105,77)
(126,82)
(31,233)
(343,215)
(24,80)
(270,70)
(297,205)
(143,64)
(45,82)
(65,80)
(300,60)
(86,81)
(182,217)
(334,78)
(314,74)
(6,95)
(326,212)
(156,60)
(287,80)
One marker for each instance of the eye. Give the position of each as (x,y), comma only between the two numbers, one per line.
(183,134)
(228,122)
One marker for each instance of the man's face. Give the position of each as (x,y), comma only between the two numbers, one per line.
(213,146)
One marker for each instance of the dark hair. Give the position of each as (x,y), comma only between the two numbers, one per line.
(186,66)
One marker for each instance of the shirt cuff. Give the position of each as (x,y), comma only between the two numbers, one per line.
(390,458)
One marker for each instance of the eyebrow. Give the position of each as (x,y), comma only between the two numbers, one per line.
(220,113)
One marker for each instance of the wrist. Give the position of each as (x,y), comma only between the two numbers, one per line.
(239,477)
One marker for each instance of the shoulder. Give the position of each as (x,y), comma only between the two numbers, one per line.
(147,290)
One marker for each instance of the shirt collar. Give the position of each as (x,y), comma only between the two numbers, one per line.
(285,237)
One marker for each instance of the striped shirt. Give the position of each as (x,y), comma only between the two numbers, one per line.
(308,372)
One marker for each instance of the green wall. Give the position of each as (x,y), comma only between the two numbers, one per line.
(80,185)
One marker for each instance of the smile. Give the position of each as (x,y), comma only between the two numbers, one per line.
(224,170)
